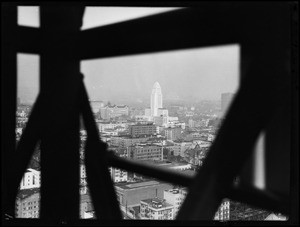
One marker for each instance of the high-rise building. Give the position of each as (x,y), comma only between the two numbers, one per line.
(156,99)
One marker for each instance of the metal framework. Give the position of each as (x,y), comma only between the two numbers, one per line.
(262,101)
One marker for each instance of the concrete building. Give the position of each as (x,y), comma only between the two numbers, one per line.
(162,112)
(130,194)
(142,129)
(31,179)
(104,126)
(28,204)
(86,207)
(196,155)
(161,120)
(179,147)
(156,99)
(111,111)
(118,175)
(223,213)
(156,209)
(145,152)
(175,197)
(191,123)
(126,141)
(173,133)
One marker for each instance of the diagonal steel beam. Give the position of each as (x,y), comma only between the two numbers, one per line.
(99,180)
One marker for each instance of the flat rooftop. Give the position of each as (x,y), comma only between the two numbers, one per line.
(137,184)
(157,203)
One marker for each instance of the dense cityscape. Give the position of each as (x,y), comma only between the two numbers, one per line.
(170,134)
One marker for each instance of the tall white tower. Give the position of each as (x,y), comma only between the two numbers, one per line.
(156,99)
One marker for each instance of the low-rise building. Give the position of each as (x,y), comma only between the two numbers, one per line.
(130,194)
(118,175)
(126,141)
(180,146)
(173,133)
(156,209)
(142,129)
(31,179)
(112,111)
(145,152)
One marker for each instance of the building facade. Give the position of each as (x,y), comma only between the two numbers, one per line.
(28,204)
(126,141)
(175,197)
(223,213)
(111,111)
(130,194)
(145,152)
(173,133)
(118,175)
(142,129)
(156,209)
(162,112)
(31,179)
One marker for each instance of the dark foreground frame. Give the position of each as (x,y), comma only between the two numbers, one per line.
(266,101)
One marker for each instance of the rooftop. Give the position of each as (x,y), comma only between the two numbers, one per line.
(176,190)
(137,184)
(25,193)
(157,203)
(147,145)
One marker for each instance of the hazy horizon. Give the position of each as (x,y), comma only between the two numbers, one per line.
(190,74)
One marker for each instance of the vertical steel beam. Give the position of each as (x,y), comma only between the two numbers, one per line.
(8,98)
(60,82)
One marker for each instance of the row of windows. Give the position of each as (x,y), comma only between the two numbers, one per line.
(148,151)
(30,208)
(29,203)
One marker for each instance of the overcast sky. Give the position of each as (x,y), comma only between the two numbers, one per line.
(202,73)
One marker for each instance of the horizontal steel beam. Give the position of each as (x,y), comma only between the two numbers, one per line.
(29,40)
(179,29)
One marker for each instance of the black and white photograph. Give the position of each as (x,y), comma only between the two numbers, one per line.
(149,113)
